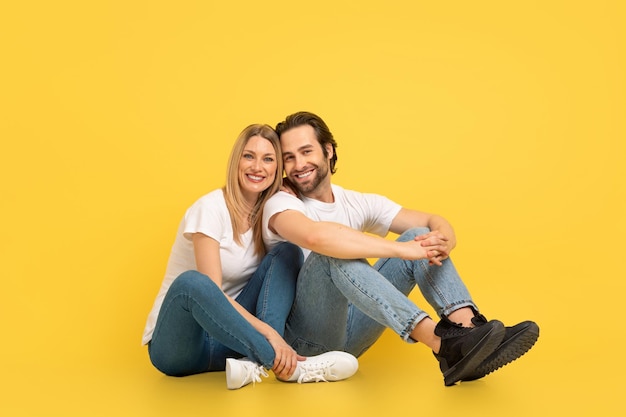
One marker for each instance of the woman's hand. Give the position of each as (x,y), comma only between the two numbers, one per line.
(286,358)
(288,187)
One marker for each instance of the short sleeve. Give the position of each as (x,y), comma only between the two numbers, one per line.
(208,216)
(279,202)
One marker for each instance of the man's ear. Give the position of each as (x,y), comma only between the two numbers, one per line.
(329,150)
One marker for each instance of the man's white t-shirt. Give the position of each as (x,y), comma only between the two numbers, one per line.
(208,216)
(371,213)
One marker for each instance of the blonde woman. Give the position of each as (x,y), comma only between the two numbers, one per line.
(223,302)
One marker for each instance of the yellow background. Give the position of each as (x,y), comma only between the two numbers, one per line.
(505,117)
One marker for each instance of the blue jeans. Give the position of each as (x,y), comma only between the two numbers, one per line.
(198,328)
(346,304)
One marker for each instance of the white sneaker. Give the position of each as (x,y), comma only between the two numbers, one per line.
(329,366)
(241,372)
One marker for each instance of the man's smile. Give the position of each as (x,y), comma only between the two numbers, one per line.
(304,174)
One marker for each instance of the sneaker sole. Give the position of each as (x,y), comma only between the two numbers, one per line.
(506,353)
(467,366)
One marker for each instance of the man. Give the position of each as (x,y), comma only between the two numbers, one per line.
(343,303)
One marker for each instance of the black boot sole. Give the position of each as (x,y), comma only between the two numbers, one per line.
(510,350)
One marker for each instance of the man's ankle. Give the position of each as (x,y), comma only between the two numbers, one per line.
(463,316)
(424,332)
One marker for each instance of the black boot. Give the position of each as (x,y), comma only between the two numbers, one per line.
(464,348)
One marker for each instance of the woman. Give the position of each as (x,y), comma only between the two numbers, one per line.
(222,297)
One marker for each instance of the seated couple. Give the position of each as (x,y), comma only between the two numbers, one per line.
(260,279)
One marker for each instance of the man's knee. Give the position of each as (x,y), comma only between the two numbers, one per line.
(413,233)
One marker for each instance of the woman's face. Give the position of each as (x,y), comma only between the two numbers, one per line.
(257,166)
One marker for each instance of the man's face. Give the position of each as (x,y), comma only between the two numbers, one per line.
(305,164)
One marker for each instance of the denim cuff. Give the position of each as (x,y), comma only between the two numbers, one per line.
(406,334)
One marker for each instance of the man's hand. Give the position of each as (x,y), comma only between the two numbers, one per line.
(437,246)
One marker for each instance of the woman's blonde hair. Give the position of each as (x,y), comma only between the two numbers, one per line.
(233,195)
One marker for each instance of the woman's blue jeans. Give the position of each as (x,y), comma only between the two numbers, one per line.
(344,304)
(198,328)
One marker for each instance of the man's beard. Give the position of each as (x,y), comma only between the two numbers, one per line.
(305,188)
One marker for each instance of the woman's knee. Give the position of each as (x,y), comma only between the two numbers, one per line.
(192,279)
(290,252)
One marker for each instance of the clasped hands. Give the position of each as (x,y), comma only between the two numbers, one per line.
(436,245)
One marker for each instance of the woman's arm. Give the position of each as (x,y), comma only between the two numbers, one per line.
(207,254)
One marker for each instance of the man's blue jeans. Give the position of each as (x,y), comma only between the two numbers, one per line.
(198,328)
(346,304)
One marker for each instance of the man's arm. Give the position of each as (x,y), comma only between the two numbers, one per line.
(339,241)
(439,227)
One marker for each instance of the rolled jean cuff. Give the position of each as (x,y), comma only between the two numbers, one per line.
(446,311)
(406,334)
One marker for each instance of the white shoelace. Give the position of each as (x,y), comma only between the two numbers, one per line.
(317,372)
(254,372)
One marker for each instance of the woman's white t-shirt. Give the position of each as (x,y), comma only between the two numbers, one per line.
(210,217)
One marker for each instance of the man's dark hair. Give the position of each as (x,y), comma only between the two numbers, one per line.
(322,132)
